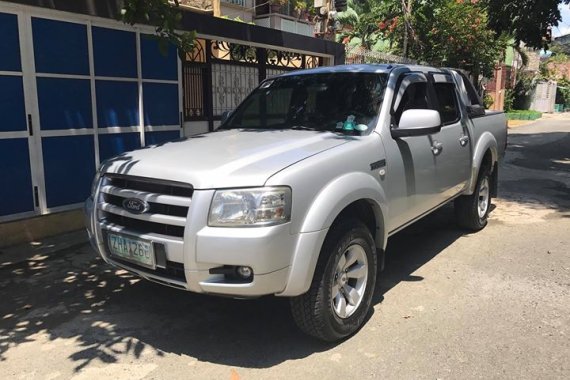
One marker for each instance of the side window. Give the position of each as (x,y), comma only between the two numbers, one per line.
(474,98)
(448,108)
(415,97)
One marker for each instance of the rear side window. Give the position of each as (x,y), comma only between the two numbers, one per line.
(474,98)
(448,108)
(415,97)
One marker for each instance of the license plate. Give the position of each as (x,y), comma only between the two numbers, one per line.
(134,250)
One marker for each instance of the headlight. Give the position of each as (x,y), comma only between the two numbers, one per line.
(264,206)
(95,183)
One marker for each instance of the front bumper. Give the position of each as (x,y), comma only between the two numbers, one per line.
(269,251)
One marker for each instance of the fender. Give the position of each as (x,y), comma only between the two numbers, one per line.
(485,142)
(340,193)
(326,206)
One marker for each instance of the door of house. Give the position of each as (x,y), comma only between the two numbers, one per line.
(18,177)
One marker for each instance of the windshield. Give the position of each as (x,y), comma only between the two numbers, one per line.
(323,102)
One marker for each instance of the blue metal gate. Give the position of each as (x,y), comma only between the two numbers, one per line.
(16,190)
(73,92)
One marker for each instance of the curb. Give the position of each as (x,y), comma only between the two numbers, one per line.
(521,123)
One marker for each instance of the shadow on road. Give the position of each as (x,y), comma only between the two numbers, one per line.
(541,151)
(416,245)
(111,314)
(545,161)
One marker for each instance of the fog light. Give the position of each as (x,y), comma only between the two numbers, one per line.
(244,272)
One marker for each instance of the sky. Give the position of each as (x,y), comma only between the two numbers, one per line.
(564,25)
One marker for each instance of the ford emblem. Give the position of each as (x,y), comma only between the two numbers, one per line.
(135,206)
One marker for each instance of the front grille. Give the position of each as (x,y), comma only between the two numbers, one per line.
(151,185)
(172,271)
(155,208)
(144,227)
(168,204)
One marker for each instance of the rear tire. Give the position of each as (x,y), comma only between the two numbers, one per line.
(472,211)
(340,295)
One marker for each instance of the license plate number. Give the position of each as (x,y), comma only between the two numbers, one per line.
(134,250)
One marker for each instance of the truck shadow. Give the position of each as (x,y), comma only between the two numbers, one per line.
(411,248)
(108,316)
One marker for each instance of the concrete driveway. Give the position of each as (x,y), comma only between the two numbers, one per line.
(495,304)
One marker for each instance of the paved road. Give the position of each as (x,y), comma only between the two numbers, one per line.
(495,304)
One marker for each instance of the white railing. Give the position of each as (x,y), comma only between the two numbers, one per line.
(241,3)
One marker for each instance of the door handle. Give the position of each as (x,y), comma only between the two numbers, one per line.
(463,140)
(436,148)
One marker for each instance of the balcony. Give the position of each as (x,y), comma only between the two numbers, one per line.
(283,17)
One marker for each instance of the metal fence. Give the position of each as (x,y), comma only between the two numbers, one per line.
(218,75)
(361,55)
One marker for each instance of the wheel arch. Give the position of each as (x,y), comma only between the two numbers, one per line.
(356,194)
(485,153)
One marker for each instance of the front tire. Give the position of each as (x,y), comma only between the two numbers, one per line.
(340,295)
(472,211)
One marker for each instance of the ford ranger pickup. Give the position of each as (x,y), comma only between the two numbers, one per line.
(297,192)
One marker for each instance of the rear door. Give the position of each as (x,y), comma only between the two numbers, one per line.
(452,160)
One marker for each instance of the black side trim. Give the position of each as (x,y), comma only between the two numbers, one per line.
(487,113)
(398,229)
(410,132)
(377,164)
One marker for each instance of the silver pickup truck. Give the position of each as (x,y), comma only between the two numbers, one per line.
(298,191)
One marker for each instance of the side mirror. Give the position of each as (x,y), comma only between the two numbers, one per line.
(475,111)
(225,116)
(417,122)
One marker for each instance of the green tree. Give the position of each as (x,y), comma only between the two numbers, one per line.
(166,18)
(452,33)
(526,20)
(441,32)
(362,22)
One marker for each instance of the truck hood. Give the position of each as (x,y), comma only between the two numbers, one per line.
(232,158)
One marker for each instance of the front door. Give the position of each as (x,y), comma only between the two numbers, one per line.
(411,182)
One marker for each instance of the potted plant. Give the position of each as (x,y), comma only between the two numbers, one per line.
(275,5)
(299,8)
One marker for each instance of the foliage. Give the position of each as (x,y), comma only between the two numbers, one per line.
(526,20)
(488,101)
(523,115)
(441,32)
(165,17)
(554,68)
(509,100)
(300,5)
(563,93)
(544,71)
(236,19)
(368,21)
(455,33)
(526,83)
